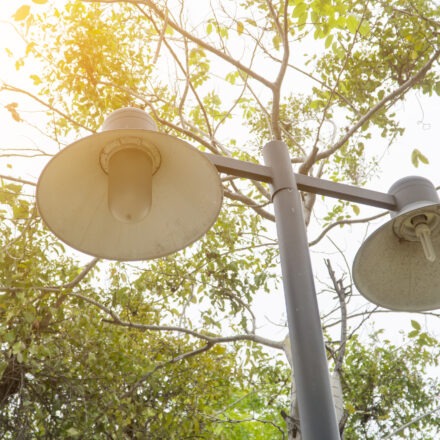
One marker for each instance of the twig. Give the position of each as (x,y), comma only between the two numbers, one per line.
(411,422)
(340,291)
(249,202)
(14,89)
(345,222)
(16,179)
(151,5)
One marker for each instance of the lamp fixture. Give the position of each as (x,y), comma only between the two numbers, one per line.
(396,267)
(129,192)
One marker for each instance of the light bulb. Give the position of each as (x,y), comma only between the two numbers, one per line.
(423,233)
(130,173)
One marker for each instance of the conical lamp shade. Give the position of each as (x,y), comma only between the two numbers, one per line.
(395,274)
(391,268)
(72,194)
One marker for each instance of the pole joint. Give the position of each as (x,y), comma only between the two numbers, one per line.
(276,156)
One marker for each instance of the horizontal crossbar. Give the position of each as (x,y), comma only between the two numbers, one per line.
(314,185)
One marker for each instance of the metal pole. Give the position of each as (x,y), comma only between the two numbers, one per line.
(315,401)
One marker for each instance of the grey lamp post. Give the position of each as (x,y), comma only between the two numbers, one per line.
(132,193)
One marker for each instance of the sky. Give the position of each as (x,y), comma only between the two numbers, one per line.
(419,115)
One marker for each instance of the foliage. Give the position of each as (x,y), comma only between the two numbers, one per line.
(67,373)
(379,374)
(174,348)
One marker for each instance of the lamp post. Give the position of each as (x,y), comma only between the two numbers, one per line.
(132,193)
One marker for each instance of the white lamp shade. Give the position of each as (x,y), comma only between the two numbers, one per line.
(398,266)
(72,198)
(395,273)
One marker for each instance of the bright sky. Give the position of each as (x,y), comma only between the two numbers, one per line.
(419,116)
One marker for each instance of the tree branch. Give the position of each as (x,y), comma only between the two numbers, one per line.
(276,89)
(116,320)
(199,41)
(249,202)
(68,286)
(345,222)
(411,422)
(399,92)
(278,345)
(16,179)
(178,358)
(312,157)
(341,292)
(14,89)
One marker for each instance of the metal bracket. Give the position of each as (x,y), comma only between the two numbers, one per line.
(314,185)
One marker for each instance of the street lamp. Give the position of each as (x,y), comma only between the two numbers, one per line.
(398,266)
(132,193)
(129,192)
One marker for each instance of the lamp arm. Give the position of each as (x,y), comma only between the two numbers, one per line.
(314,185)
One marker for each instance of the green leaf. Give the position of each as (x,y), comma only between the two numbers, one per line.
(413,334)
(299,10)
(276,40)
(21,13)
(415,325)
(240,27)
(352,24)
(10,336)
(73,432)
(423,159)
(417,157)
(18,347)
(29,47)
(328,41)
(29,316)
(364,29)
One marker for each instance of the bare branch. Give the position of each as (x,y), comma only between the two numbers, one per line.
(345,222)
(203,43)
(210,339)
(276,89)
(188,82)
(411,422)
(377,309)
(326,86)
(18,180)
(14,89)
(87,268)
(249,202)
(341,292)
(97,304)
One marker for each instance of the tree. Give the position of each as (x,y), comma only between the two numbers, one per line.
(172,348)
